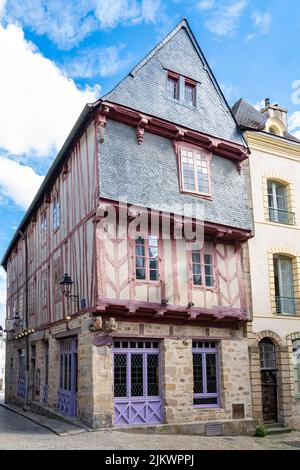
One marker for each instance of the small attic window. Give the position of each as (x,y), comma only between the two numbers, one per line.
(181,88)
(173,86)
(274,130)
(190,92)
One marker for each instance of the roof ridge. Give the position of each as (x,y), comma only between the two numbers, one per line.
(182,24)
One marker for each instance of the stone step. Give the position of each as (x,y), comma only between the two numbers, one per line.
(277,429)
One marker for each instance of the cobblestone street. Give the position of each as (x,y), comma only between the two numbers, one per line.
(17,432)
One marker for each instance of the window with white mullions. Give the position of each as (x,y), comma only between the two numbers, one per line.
(195,175)
(284,286)
(202,266)
(277,199)
(146,258)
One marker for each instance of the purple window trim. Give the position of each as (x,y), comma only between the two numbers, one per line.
(144,352)
(204,395)
(129,410)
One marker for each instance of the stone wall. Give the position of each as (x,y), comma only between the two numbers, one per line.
(95,401)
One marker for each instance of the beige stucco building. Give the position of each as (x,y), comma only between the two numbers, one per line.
(274,251)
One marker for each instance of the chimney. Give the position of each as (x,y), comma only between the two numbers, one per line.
(275,111)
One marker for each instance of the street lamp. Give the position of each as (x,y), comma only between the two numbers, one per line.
(17,319)
(66,287)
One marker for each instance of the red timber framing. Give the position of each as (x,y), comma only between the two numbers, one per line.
(75,241)
(142,122)
(225,245)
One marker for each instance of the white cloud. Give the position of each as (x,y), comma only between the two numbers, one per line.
(2,296)
(2,286)
(68,22)
(226,18)
(205,4)
(18,182)
(231,93)
(39,104)
(260,105)
(98,62)
(262,21)
(249,37)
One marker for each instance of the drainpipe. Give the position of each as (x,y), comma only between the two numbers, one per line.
(24,237)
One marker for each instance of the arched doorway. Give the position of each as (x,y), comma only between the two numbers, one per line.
(268,372)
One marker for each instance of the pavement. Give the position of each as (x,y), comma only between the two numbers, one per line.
(21,430)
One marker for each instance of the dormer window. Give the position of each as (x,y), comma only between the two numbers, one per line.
(190,92)
(173,86)
(195,170)
(181,88)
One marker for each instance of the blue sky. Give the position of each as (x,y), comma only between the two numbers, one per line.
(57,55)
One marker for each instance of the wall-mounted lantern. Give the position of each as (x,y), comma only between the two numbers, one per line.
(66,287)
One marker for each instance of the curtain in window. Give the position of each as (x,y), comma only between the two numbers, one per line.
(277,202)
(196,268)
(284,288)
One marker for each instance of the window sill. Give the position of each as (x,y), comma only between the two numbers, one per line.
(291,315)
(206,196)
(182,103)
(143,281)
(206,407)
(204,288)
(280,224)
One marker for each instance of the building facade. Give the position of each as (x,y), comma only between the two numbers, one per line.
(153,329)
(2,361)
(274,194)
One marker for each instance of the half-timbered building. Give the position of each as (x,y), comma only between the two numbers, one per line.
(144,216)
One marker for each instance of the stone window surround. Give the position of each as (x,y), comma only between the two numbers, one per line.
(290,193)
(289,339)
(296,276)
(215,351)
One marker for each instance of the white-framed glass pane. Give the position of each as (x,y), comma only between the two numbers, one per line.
(188,170)
(196,261)
(277,200)
(202,173)
(284,286)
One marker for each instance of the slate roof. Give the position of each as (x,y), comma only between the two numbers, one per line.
(144,88)
(147,175)
(247,116)
(250,118)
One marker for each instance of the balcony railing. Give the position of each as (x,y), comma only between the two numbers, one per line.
(287,305)
(281,216)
